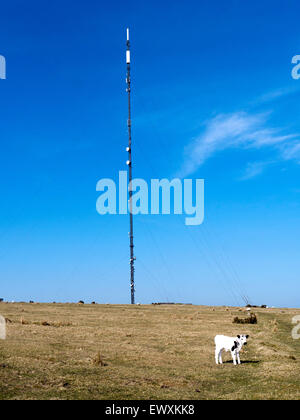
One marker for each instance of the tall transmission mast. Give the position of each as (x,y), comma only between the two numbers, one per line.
(129,163)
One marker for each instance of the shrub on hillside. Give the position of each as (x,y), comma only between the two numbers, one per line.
(252,319)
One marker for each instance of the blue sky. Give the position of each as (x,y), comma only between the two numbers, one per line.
(213,98)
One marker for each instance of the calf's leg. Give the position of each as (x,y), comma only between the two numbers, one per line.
(217,355)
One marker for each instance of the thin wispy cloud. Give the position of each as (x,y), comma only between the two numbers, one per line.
(292,151)
(254,169)
(276,94)
(238,130)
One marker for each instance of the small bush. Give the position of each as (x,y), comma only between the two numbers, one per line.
(98,361)
(252,319)
(274,324)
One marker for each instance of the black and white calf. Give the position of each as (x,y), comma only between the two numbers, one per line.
(232,344)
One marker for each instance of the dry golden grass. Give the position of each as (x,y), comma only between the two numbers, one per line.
(71,351)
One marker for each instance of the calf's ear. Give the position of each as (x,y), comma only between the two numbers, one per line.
(238,336)
(247,336)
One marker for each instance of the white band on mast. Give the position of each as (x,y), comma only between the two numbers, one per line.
(128,51)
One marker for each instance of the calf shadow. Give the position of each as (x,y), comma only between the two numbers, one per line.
(243,362)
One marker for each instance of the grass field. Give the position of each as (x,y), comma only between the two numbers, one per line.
(72,351)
